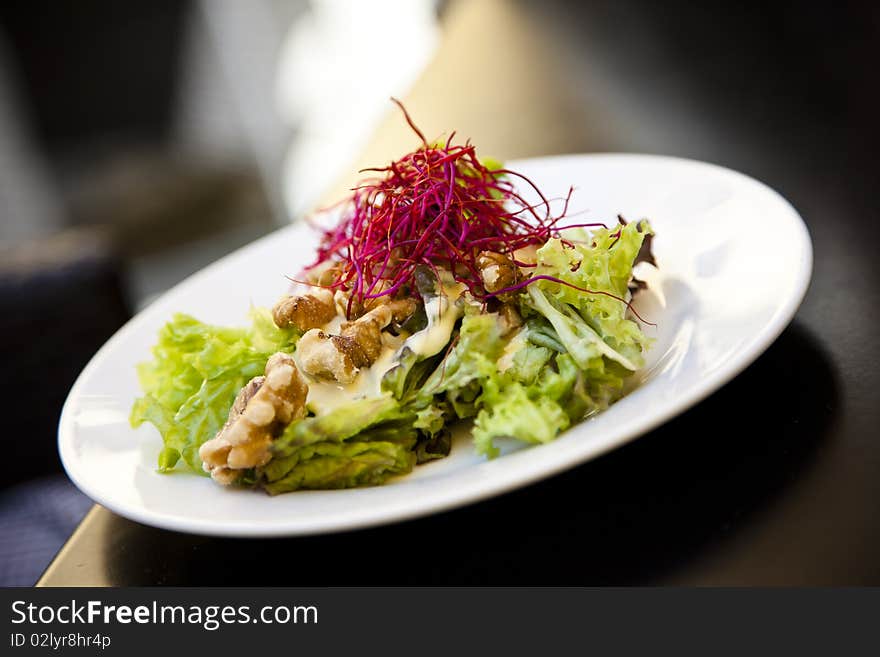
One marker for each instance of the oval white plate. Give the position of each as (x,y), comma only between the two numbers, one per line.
(735,261)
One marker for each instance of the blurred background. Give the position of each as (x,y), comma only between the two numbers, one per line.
(141,141)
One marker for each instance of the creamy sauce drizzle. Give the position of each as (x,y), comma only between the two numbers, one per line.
(324,396)
(441,319)
(441,314)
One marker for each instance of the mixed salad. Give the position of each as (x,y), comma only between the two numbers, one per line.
(441,294)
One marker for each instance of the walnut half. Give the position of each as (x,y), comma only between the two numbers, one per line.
(305,311)
(261,411)
(359,343)
(497,271)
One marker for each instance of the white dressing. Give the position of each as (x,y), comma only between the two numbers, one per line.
(441,313)
(442,316)
(324,396)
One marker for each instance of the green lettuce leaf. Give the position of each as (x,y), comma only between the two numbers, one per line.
(580,339)
(358,444)
(528,362)
(340,424)
(339,465)
(516,411)
(580,346)
(603,264)
(530,408)
(471,360)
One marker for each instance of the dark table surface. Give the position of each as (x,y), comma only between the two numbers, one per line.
(775,479)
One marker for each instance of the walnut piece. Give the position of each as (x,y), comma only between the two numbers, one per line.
(359,343)
(497,271)
(305,311)
(261,411)
(325,274)
(358,308)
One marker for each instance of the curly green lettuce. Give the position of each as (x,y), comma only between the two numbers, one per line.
(589,325)
(581,345)
(357,444)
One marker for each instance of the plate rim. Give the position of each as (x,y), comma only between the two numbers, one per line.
(510,478)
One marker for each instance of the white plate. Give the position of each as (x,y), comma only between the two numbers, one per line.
(735,261)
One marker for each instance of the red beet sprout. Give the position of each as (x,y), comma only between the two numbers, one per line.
(438,206)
